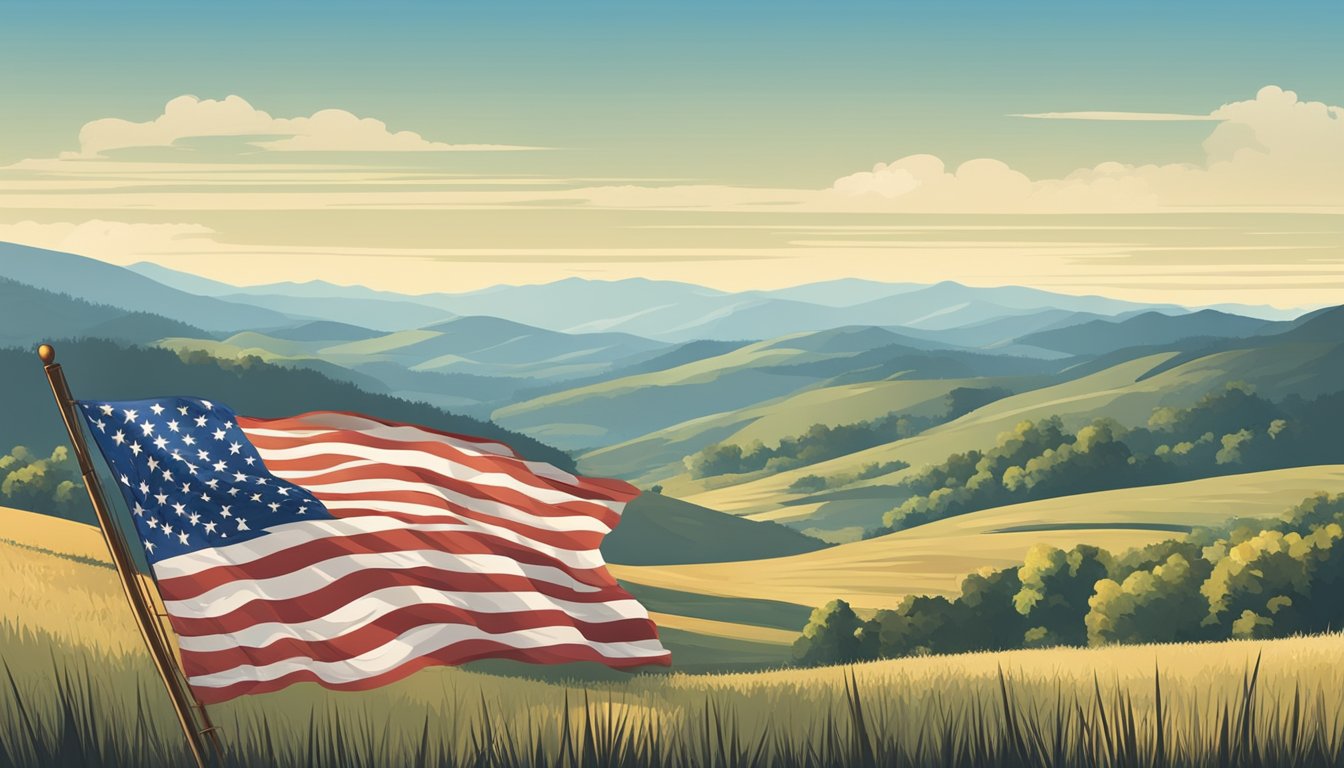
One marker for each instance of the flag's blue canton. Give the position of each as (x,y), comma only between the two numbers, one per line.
(189,475)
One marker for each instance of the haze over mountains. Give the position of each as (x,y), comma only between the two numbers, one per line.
(638,378)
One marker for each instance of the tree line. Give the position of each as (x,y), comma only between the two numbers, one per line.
(1226,432)
(822,442)
(1248,578)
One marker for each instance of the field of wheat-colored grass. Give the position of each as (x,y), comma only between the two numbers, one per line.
(78,689)
(933,558)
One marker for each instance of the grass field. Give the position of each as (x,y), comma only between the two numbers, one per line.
(932,558)
(79,690)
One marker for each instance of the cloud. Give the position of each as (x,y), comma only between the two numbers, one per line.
(1273,152)
(328,130)
(1134,117)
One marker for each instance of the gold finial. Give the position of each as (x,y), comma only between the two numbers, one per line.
(47,353)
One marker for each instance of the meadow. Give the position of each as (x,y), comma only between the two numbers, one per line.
(78,690)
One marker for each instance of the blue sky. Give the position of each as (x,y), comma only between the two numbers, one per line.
(757,96)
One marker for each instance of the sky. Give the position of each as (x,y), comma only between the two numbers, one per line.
(1189,153)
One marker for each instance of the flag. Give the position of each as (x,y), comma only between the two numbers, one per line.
(350,552)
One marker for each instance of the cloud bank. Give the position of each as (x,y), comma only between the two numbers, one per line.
(328,130)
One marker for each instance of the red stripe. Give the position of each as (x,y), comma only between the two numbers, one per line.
(392,625)
(459,653)
(346,589)
(591,488)
(310,553)
(493,493)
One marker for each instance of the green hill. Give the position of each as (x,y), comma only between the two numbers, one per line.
(29,315)
(659,530)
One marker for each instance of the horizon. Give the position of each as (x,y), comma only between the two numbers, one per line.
(749,147)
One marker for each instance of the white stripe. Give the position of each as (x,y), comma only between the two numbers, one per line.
(325,423)
(421,641)
(276,457)
(287,535)
(365,610)
(234,594)
(563,524)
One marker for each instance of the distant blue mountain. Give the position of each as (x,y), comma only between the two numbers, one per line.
(103,283)
(1145,330)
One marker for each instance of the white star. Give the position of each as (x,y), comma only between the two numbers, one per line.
(202,455)
(212,483)
(180,509)
(146,428)
(144,488)
(160,443)
(233,491)
(162,498)
(102,426)
(192,468)
(182,409)
(126,481)
(224,511)
(173,425)
(235,447)
(261,480)
(188,440)
(249,461)
(138,510)
(149,547)
(205,497)
(153,463)
(194,518)
(156,408)
(284,491)
(177,455)
(274,506)
(303,510)
(228,425)
(220,466)
(168,475)
(167,530)
(186,487)
(256,497)
(131,415)
(219,434)
(136,449)
(209,405)
(107,409)
(242,525)
(152,522)
(119,437)
(210,526)
(239,477)
(200,421)
(182,537)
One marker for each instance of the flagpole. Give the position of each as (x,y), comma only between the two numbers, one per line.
(164,660)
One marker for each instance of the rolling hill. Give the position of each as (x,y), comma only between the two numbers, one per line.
(29,315)
(1148,329)
(932,558)
(102,283)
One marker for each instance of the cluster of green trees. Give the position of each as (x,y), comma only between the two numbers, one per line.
(1245,579)
(45,483)
(1230,431)
(818,483)
(822,442)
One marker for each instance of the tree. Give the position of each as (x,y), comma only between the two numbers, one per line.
(1160,604)
(1056,587)
(833,635)
(49,485)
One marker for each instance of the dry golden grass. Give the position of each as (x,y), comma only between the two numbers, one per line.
(933,558)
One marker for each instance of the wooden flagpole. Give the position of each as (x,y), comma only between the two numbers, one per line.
(145,615)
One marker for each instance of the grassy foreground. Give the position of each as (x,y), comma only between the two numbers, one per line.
(1248,704)
(77,689)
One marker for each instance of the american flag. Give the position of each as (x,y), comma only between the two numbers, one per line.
(350,552)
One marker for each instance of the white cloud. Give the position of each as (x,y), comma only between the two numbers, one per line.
(1132,117)
(328,130)
(1271,152)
